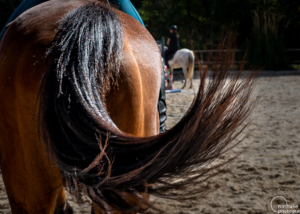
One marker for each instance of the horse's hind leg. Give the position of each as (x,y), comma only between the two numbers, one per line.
(171,76)
(24,198)
(62,206)
(32,180)
(184,69)
(191,85)
(97,210)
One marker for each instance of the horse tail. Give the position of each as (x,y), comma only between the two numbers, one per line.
(99,159)
(191,65)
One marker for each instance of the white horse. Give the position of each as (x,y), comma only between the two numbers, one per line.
(184,59)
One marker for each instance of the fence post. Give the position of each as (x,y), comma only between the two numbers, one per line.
(162,47)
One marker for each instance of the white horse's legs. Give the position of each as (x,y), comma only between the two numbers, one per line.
(191,85)
(185,70)
(170,75)
(190,71)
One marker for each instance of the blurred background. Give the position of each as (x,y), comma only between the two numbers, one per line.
(267,29)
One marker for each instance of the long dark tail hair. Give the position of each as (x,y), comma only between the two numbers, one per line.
(98,158)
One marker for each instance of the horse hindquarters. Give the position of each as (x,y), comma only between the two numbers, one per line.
(83,134)
(33,181)
(92,95)
(82,127)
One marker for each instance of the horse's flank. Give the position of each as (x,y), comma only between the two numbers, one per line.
(33,181)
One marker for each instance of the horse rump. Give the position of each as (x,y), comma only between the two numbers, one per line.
(101,160)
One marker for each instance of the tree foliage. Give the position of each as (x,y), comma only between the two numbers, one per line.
(202,22)
(6,10)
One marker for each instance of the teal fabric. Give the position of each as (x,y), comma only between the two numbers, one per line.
(127,7)
(123,5)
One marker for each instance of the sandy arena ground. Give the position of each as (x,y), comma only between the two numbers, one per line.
(270,166)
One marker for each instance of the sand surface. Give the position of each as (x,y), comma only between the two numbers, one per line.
(269,167)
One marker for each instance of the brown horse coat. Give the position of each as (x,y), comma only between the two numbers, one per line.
(33,181)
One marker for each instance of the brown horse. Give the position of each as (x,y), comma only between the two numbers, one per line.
(85,116)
